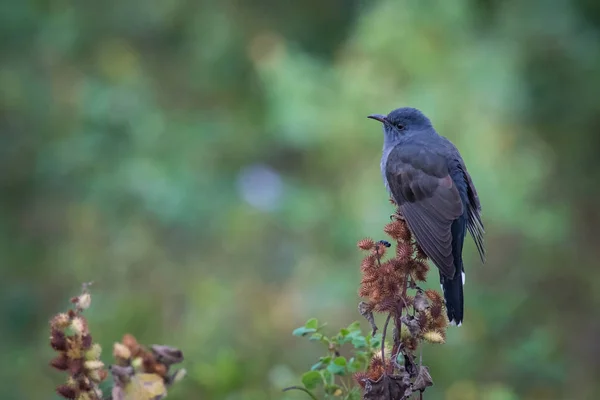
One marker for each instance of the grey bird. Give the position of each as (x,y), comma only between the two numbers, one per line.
(427,178)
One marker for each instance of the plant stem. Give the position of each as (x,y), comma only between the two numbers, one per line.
(308,392)
(387,321)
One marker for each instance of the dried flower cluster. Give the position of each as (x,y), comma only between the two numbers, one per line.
(416,316)
(142,374)
(139,373)
(77,354)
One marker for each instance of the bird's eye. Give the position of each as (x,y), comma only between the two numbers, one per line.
(400,127)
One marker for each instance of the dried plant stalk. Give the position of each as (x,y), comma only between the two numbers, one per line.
(390,287)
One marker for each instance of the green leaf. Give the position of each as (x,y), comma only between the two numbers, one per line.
(334,390)
(344,332)
(350,336)
(355,326)
(316,366)
(340,361)
(312,323)
(316,336)
(311,379)
(354,394)
(303,331)
(359,342)
(375,341)
(338,366)
(354,365)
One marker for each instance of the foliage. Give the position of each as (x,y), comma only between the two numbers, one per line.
(332,374)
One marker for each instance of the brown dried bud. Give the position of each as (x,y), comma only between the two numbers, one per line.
(361,379)
(61,362)
(434,296)
(404,252)
(67,392)
(86,341)
(419,270)
(58,341)
(366,244)
(368,263)
(79,326)
(397,230)
(121,352)
(148,362)
(83,301)
(84,383)
(379,250)
(60,321)
(76,366)
(131,342)
(420,253)
(98,375)
(93,364)
(423,319)
(160,369)
(166,354)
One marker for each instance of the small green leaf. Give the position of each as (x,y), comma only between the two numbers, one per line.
(359,342)
(303,331)
(355,326)
(354,394)
(334,390)
(312,323)
(311,379)
(316,336)
(375,341)
(338,366)
(344,332)
(316,366)
(340,361)
(354,365)
(345,339)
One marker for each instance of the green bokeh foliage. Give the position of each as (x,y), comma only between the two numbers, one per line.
(128,128)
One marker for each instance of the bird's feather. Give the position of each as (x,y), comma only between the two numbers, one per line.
(474,223)
(420,183)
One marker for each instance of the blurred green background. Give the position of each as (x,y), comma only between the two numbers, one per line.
(210,166)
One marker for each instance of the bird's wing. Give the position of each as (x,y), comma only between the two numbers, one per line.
(428,199)
(474,223)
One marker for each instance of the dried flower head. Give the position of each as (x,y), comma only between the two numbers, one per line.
(366,244)
(434,336)
(416,316)
(137,364)
(77,354)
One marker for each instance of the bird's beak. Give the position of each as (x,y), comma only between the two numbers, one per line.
(378,117)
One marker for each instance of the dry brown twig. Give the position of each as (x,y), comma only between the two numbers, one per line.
(390,287)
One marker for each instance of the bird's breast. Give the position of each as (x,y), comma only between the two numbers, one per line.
(384,158)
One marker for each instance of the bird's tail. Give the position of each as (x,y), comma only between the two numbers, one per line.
(453,295)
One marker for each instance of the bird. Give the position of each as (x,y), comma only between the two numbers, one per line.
(428,180)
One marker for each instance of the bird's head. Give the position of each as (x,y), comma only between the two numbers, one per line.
(402,121)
